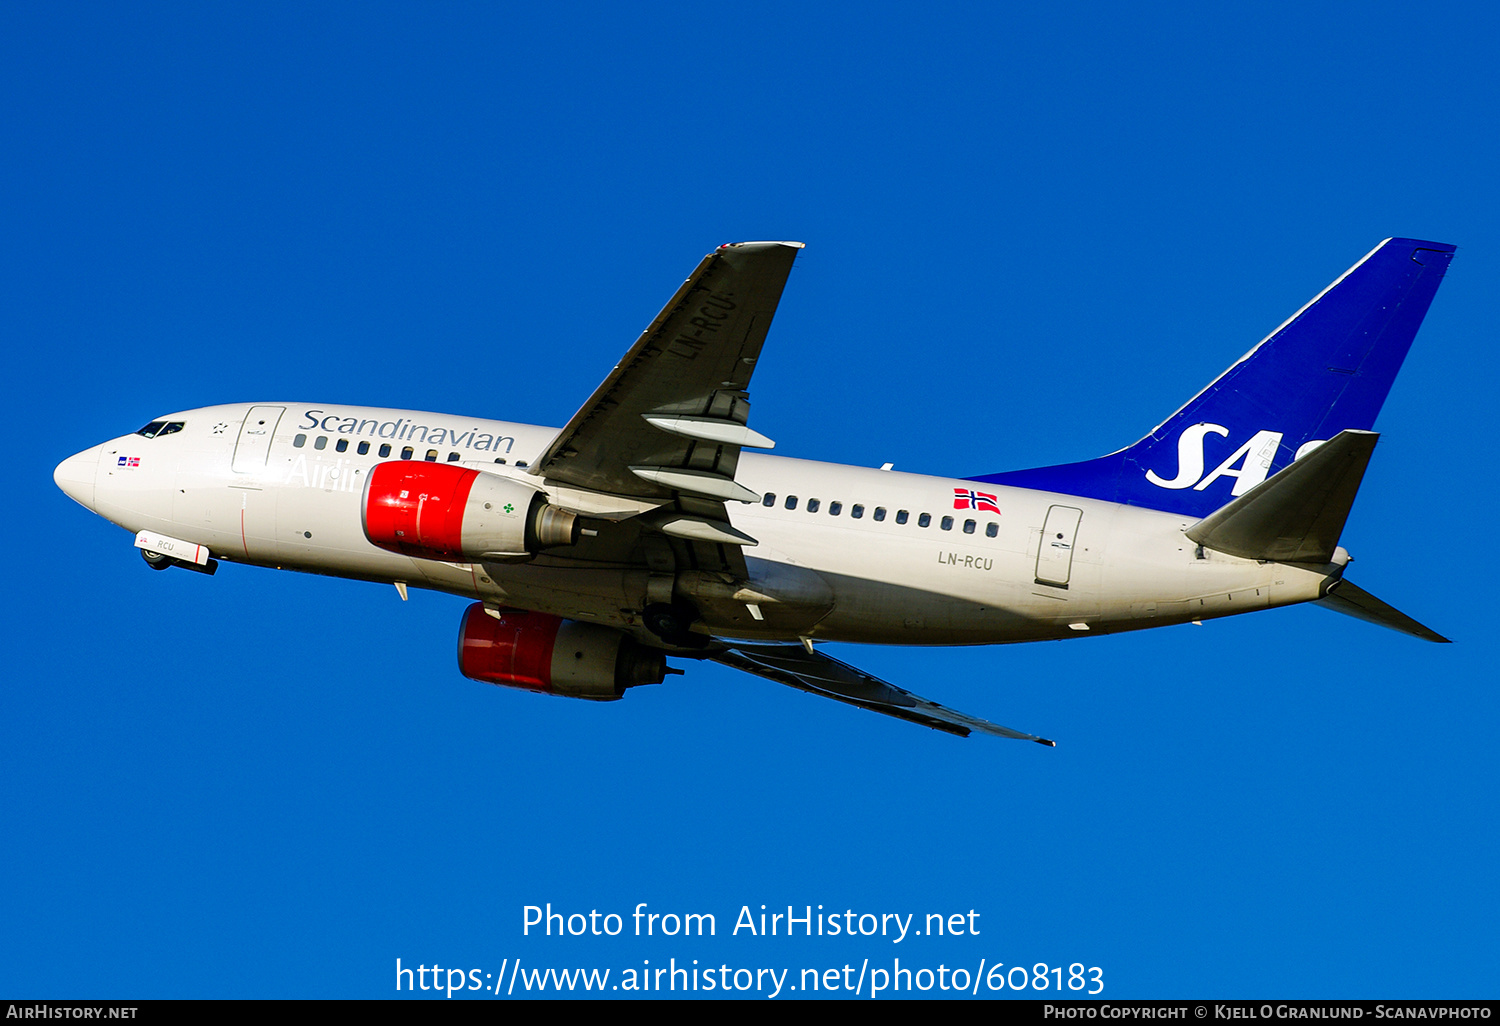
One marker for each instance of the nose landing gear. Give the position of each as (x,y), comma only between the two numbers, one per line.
(161,561)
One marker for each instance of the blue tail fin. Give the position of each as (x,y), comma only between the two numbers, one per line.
(1327,369)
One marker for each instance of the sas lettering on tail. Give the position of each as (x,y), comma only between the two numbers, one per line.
(1248,465)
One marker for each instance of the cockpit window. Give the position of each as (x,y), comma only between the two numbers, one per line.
(161,427)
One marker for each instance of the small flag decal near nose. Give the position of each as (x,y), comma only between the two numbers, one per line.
(966,498)
(130,461)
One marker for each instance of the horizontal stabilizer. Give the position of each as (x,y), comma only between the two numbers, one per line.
(819,674)
(1297,515)
(1352,600)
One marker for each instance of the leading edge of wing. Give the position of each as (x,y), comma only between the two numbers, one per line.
(819,674)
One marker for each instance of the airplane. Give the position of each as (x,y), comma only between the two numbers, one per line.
(644,529)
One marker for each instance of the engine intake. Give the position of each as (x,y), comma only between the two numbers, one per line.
(441,511)
(547,654)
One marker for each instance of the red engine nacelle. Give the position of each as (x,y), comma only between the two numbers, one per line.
(442,511)
(540,652)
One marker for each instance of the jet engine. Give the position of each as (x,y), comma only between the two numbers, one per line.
(545,653)
(440,511)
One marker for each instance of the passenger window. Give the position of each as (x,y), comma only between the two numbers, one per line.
(925,520)
(791,502)
(768,499)
(813,504)
(385,450)
(364,448)
(879,512)
(431,455)
(835,508)
(521,464)
(969,527)
(453,457)
(991,529)
(321,442)
(901,516)
(152,429)
(856,511)
(343,445)
(406,452)
(499,459)
(947,523)
(299,441)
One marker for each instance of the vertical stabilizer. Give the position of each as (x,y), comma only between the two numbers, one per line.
(1327,369)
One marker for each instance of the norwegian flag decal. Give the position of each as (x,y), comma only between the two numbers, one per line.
(967,498)
(130,461)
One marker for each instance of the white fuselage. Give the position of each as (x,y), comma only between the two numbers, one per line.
(861,554)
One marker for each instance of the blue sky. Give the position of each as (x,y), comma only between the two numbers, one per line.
(1032,232)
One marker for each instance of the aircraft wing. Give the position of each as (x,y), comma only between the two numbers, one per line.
(819,674)
(670,418)
(667,424)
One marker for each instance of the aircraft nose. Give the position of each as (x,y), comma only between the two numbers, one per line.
(75,476)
